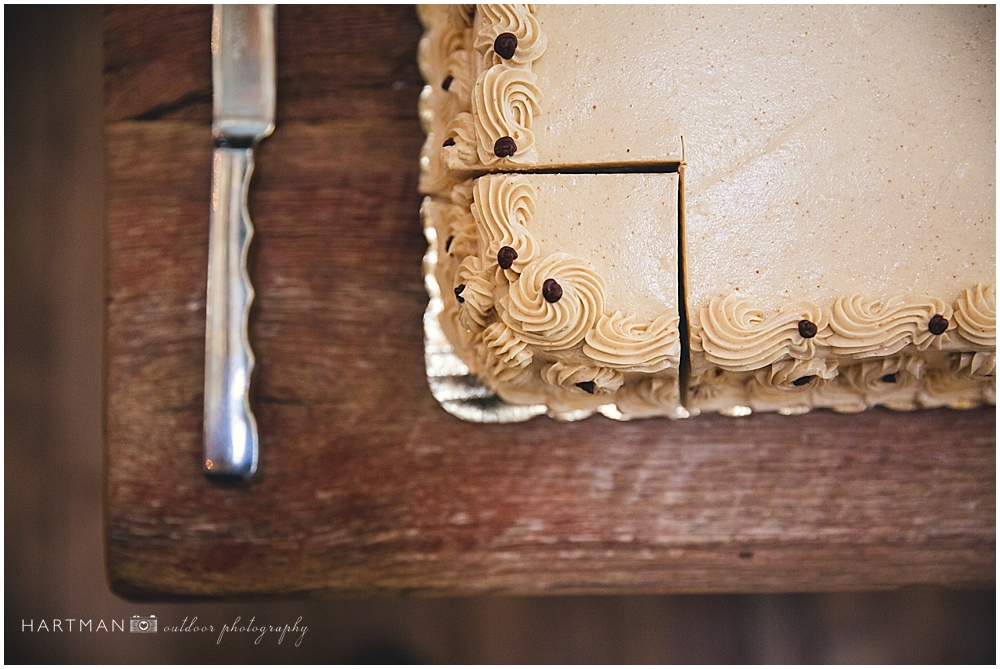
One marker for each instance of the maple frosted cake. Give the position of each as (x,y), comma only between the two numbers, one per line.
(835,169)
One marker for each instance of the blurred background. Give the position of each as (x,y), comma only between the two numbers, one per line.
(53,559)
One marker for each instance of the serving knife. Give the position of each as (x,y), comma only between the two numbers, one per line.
(243,80)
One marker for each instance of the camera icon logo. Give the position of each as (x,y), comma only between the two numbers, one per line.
(142,624)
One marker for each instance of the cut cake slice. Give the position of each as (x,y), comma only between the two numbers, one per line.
(562,289)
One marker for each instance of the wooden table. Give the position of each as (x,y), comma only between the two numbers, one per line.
(366,485)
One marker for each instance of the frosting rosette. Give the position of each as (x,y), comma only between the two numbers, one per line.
(459,151)
(502,208)
(463,239)
(505,101)
(458,67)
(708,384)
(976,315)
(517,20)
(493,370)
(738,337)
(507,346)
(649,396)
(884,375)
(865,327)
(625,342)
(585,378)
(476,296)
(560,324)
(433,177)
(981,364)
(434,48)
(797,375)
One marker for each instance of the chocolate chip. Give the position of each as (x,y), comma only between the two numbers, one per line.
(889,378)
(458,292)
(446,84)
(551,290)
(807,329)
(506,257)
(938,324)
(447,244)
(449,142)
(505,147)
(505,45)
(802,380)
(586,386)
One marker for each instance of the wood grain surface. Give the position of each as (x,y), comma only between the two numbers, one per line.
(366,485)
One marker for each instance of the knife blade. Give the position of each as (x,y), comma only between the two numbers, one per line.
(243,80)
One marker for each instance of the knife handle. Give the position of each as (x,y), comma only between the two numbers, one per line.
(230,426)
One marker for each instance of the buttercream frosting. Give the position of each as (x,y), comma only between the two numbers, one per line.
(885,374)
(459,152)
(797,375)
(976,315)
(733,334)
(489,97)
(463,238)
(628,343)
(510,349)
(867,327)
(475,293)
(740,338)
(583,378)
(649,396)
(561,324)
(505,102)
(981,364)
(517,20)
(502,209)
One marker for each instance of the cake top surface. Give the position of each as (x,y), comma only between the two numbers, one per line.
(828,150)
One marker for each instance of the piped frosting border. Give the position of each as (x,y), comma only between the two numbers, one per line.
(494,129)
(736,336)
(906,353)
